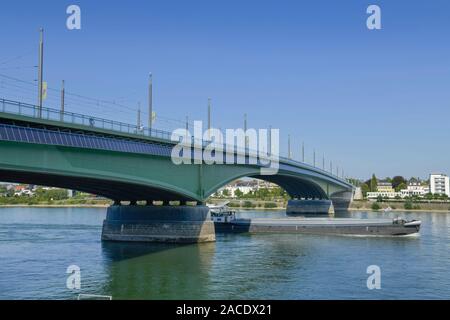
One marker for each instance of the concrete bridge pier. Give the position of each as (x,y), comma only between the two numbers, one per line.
(173,224)
(342,200)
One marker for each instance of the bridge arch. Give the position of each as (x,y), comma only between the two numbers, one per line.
(108,188)
(295,186)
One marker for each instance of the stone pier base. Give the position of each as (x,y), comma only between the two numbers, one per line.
(342,200)
(302,207)
(174,224)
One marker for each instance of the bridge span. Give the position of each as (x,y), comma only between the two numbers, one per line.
(126,163)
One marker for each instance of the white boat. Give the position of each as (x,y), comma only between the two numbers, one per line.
(221,212)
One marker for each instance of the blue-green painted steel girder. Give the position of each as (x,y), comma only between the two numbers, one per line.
(135,176)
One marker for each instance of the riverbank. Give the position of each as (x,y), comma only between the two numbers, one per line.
(14,202)
(265,205)
(54,206)
(235,204)
(360,205)
(399,206)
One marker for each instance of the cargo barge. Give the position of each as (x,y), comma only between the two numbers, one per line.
(226,222)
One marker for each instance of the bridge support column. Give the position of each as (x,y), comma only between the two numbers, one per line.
(301,207)
(342,200)
(175,224)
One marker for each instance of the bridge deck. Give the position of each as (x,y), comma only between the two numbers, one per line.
(75,129)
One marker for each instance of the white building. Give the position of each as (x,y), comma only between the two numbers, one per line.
(384,190)
(439,184)
(415,189)
(389,195)
(24,192)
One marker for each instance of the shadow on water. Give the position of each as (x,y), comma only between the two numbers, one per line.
(118,251)
(157,271)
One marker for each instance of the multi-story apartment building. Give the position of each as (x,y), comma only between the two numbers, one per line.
(439,184)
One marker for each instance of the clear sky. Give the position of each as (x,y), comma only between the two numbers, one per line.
(372,101)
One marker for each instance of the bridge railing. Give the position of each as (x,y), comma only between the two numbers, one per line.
(33,111)
(29,110)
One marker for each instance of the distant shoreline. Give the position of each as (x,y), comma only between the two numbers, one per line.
(54,206)
(400,210)
(364,205)
(352,207)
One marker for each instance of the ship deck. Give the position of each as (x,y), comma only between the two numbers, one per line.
(299,221)
(336,226)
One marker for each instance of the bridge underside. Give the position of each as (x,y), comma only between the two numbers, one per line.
(295,187)
(110,189)
(115,190)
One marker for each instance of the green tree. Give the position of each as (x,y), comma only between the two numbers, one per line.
(401,186)
(270,205)
(238,193)
(408,205)
(364,189)
(248,204)
(263,193)
(51,194)
(373,183)
(398,180)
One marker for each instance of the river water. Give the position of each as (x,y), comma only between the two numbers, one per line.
(37,245)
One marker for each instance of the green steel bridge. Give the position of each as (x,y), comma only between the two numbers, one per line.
(126,163)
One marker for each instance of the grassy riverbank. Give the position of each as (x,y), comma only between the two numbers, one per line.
(42,197)
(68,203)
(54,205)
(362,205)
(241,204)
(415,206)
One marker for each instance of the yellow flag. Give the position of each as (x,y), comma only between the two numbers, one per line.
(153,117)
(44,90)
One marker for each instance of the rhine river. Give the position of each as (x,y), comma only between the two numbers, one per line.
(38,244)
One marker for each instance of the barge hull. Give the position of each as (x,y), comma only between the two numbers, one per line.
(318,226)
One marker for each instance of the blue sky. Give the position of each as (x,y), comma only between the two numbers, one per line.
(372,101)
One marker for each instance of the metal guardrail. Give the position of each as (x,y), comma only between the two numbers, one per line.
(29,110)
(44,113)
